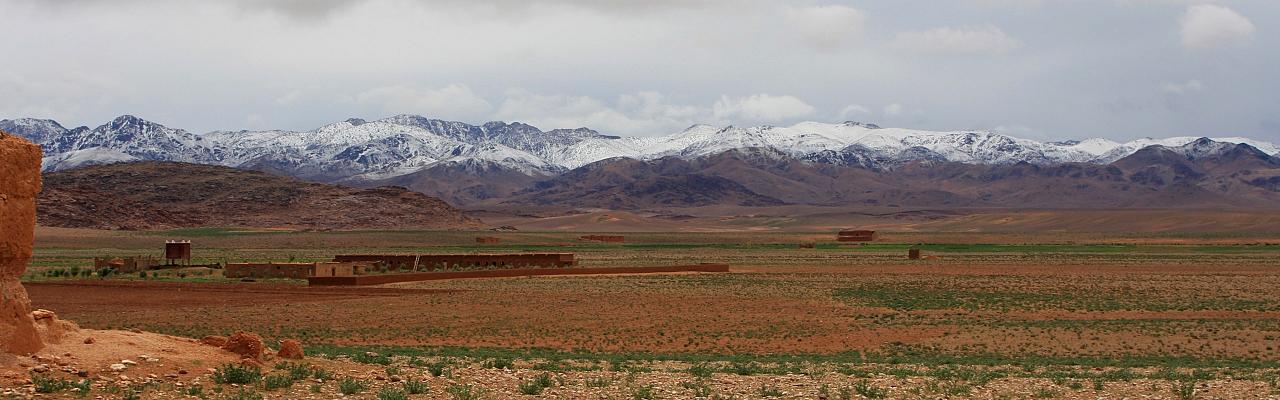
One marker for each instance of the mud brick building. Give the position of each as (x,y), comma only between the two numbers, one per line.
(856,235)
(448,261)
(603,238)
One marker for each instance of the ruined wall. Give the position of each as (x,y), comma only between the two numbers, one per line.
(19,184)
(269,270)
(604,238)
(360,280)
(447,261)
(856,236)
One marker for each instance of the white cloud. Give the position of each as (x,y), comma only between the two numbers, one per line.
(966,40)
(290,98)
(1193,85)
(455,101)
(854,110)
(827,27)
(893,109)
(1208,25)
(644,113)
(760,107)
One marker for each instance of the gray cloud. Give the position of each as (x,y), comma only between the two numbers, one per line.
(1112,68)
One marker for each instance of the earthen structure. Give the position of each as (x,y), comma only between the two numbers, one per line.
(508,273)
(292,270)
(856,235)
(177,251)
(125,265)
(488,240)
(431,262)
(21,330)
(604,238)
(269,270)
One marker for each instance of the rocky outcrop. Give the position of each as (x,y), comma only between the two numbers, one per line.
(290,349)
(22,331)
(19,184)
(247,345)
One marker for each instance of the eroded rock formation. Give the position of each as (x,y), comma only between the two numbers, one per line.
(19,184)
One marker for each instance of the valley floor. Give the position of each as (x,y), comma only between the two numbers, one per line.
(987,315)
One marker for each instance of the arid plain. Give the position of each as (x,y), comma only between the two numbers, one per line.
(990,312)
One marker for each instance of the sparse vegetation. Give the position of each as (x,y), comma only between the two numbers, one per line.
(349,386)
(237,374)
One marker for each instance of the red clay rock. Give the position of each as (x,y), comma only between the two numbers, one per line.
(19,184)
(290,349)
(247,345)
(215,341)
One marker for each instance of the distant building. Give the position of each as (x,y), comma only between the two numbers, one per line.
(855,235)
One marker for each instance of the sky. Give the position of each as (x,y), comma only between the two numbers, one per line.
(1038,69)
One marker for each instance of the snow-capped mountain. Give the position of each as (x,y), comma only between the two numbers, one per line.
(356,149)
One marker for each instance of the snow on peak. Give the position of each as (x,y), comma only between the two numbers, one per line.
(404,144)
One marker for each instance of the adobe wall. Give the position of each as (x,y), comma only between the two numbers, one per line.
(506,273)
(19,184)
(446,261)
(604,238)
(269,270)
(856,236)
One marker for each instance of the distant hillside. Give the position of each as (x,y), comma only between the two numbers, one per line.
(159,195)
(1200,174)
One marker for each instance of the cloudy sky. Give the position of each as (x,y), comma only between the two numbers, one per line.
(1041,69)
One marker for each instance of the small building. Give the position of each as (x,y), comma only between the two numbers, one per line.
(330,269)
(177,250)
(603,238)
(125,265)
(856,235)
(488,240)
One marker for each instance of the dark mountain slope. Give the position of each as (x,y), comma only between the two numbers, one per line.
(157,195)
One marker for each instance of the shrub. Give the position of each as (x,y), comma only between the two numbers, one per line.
(1185,390)
(437,369)
(245,394)
(599,382)
(499,363)
(372,358)
(389,393)
(465,392)
(193,390)
(769,391)
(865,389)
(321,374)
(535,386)
(238,374)
(415,387)
(350,386)
(701,371)
(50,385)
(642,393)
(297,371)
(273,382)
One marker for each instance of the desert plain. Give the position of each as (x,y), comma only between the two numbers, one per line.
(987,313)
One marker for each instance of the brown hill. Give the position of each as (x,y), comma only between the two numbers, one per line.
(466,182)
(1198,175)
(158,195)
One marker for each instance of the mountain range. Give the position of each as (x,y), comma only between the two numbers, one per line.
(516,164)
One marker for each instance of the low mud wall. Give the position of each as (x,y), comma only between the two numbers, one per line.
(269,270)
(446,261)
(507,273)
